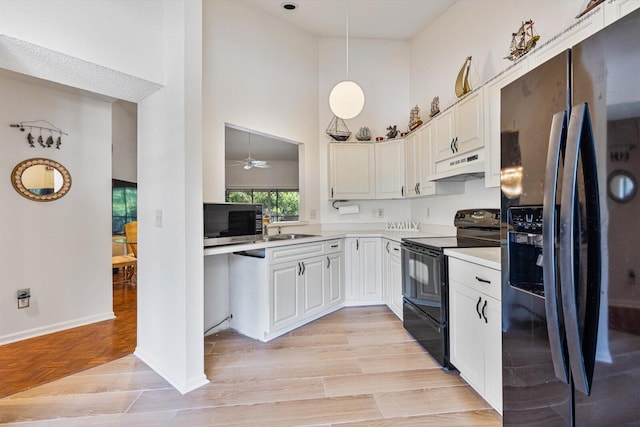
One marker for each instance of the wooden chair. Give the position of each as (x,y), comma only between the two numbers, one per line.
(128,262)
(131,233)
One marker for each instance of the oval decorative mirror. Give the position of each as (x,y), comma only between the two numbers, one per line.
(41,180)
(621,186)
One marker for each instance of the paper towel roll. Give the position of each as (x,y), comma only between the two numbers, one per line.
(349,209)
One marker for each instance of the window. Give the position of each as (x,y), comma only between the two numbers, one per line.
(281,205)
(124,204)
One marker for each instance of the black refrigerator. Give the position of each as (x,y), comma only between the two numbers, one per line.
(570,239)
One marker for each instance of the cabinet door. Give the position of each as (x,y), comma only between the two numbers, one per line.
(444,133)
(425,160)
(395,279)
(386,272)
(352,268)
(370,255)
(312,285)
(411,165)
(493,353)
(389,169)
(351,171)
(333,279)
(492,121)
(614,10)
(469,123)
(466,334)
(284,296)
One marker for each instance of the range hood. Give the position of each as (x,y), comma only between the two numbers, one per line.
(460,168)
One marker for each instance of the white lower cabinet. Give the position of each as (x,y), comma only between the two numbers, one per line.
(392,276)
(363,272)
(475,327)
(289,287)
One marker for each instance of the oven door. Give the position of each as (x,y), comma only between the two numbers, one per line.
(422,280)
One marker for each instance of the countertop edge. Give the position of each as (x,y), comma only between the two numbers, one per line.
(487,257)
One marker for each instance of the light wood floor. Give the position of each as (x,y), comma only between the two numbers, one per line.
(355,367)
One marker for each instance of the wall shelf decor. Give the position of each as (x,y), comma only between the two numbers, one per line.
(40,124)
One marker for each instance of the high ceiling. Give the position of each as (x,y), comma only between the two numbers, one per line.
(377,19)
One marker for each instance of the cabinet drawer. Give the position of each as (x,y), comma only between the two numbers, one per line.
(332,246)
(294,252)
(484,279)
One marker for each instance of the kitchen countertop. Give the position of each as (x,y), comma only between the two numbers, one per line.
(488,257)
(396,236)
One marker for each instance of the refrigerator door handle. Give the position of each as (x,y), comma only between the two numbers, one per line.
(557,141)
(582,347)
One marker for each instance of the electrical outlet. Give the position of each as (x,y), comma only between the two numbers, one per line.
(380,213)
(23,297)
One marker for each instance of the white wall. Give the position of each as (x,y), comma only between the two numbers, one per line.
(125,141)
(282,174)
(381,68)
(59,249)
(261,74)
(170,263)
(164,42)
(98,31)
(473,28)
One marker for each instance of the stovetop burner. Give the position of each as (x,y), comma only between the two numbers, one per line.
(474,228)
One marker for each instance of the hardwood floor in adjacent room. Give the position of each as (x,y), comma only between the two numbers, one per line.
(32,362)
(355,367)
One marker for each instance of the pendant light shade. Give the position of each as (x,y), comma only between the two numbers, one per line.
(346,99)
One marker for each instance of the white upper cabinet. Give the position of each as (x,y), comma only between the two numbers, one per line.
(616,9)
(390,165)
(419,165)
(460,129)
(412,164)
(492,120)
(352,171)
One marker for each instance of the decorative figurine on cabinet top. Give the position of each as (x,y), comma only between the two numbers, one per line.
(522,41)
(462,81)
(414,118)
(393,132)
(435,106)
(364,134)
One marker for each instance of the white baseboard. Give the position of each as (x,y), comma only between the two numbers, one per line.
(183,387)
(56,327)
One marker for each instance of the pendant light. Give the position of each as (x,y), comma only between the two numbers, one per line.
(346,99)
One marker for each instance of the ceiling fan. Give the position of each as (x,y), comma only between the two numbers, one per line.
(250,162)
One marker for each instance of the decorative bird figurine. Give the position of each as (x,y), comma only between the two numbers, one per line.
(41,141)
(30,140)
(58,142)
(49,141)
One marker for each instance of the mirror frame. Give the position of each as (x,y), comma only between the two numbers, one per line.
(621,173)
(16,180)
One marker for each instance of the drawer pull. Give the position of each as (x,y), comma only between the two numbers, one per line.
(396,249)
(335,245)
(478,308)
(479,279)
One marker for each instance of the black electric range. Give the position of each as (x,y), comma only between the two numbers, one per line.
(425,278)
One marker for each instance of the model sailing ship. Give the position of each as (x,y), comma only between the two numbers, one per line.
(462,82)
(523,40)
